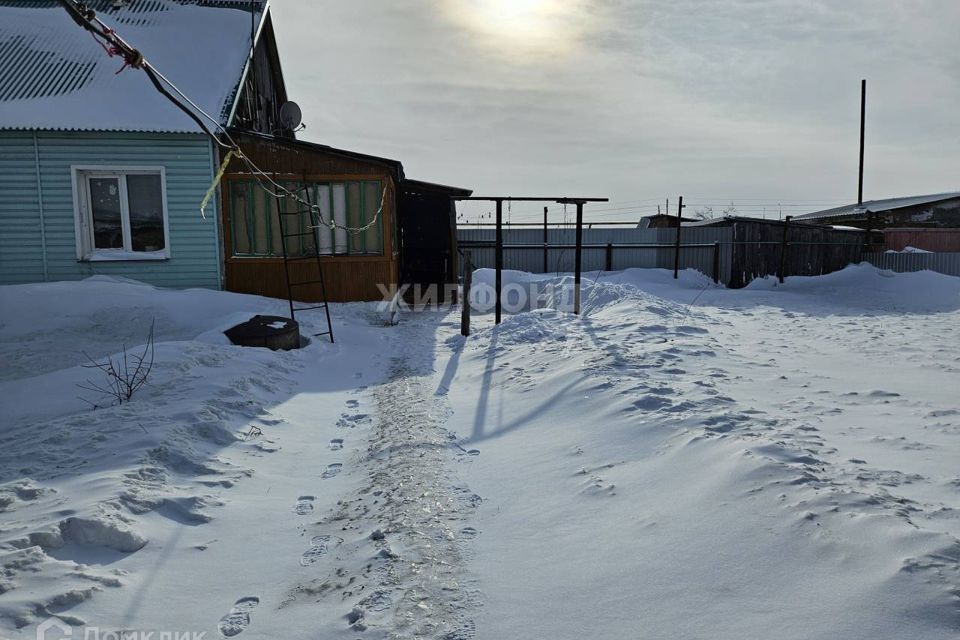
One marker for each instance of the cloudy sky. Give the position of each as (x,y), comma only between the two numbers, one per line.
(754,101)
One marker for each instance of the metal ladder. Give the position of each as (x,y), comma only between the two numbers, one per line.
(307,257)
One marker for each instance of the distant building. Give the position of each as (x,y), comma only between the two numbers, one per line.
(923,238)
(936,210)
(661,221)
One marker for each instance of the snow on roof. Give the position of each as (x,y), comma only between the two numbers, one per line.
(874,206)
(55,76)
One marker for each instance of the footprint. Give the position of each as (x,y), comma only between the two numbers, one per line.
(336,444)
(319,546)
(238,619)
(353,404)
(469,533)
(332,471)
(304,505)
(348,421)
(377,601)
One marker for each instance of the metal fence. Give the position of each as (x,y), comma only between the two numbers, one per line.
(946,263)
(617,248)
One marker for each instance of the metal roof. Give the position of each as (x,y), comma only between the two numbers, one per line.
(55,76)
(728,220)
(394,165)
(434,186)
(874,206)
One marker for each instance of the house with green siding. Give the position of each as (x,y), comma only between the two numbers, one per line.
(99,173)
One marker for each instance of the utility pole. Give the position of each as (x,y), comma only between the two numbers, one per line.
(676,254)
(578,260)
(863,129)
(546,242)
(499,260)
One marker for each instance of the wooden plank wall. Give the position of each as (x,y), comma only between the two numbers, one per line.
(347,279)
(813,250)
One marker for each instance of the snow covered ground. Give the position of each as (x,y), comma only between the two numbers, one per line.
(683,461)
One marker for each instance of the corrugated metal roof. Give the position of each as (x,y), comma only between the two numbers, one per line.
(874,206)
(55,76)
(728,220)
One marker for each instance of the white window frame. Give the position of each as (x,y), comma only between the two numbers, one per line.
(83,215)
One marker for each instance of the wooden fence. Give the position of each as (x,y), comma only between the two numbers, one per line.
(767,247)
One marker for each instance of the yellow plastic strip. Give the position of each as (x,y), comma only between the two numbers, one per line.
(216,181)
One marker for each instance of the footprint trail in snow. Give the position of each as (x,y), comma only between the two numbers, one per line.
(399,567)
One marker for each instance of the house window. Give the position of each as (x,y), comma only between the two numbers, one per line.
(255,225)
(121,214)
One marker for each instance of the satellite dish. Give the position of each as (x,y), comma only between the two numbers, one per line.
(290,115)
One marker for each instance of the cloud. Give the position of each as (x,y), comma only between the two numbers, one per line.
(742,98)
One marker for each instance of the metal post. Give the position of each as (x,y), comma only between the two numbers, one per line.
(676,253)
(609,257)
(283,248)
(716,262)
(467,284)
(578,260)
(499,259)
(546,242)
(783,249)
(863,128)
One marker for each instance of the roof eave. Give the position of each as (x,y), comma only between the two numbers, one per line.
(443,188)
(246,67)
(394,165)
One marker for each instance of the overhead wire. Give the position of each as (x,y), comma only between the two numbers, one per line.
(87,18)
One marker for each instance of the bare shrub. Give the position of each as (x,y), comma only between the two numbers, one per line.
(124,376)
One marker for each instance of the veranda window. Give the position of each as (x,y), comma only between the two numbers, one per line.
(255,226)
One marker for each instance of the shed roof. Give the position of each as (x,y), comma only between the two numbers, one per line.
(393,165)
(874,206)
(55,76)
(421,185)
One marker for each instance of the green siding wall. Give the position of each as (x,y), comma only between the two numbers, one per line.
(194,260)
(21,251)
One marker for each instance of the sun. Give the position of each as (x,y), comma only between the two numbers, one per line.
(520,28)
(514,16)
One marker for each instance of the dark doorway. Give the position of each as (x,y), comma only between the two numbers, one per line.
(428,235)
